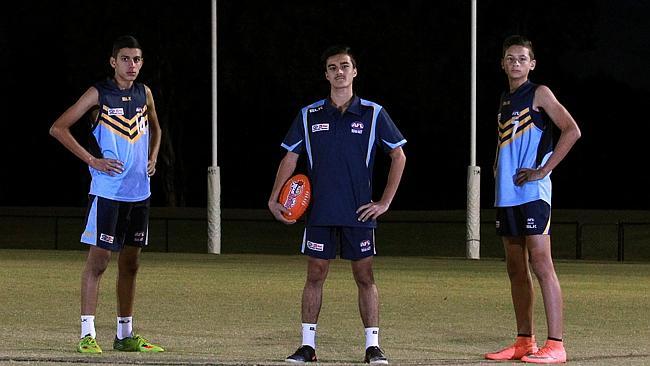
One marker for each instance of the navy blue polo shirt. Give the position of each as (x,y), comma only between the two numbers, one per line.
(340,151)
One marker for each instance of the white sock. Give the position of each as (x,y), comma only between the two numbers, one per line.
(372,337)
(124,326)
(88,326)
(309,335)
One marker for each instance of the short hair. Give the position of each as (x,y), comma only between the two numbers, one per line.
(338,50)
(518,40)
(124,42)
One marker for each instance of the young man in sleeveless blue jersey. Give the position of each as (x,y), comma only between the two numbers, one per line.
(124,145)
(340,136)
(524,161)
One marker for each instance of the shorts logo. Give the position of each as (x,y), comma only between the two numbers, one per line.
(498,224)
(320,127)
(106,238)
(139,236)
(356,127)
(530,223)
(115,111)
(365,246)
(315,246)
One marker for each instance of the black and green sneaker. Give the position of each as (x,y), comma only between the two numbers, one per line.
(135,343)
(88,344)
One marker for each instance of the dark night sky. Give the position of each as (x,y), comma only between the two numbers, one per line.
(413,59)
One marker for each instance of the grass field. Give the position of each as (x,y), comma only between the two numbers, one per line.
(244,309)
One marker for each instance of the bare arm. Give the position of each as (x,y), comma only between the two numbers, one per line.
(60,130)
(570,133)
(155,131)
(372,210)
(285,170)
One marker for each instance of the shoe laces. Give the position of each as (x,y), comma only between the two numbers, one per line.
(140,339)
(90,341)
(545,351)
(375,351)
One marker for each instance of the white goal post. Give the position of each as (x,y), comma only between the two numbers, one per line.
(214,176)
(473,238)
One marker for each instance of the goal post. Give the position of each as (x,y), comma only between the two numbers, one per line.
(473,238)
(214,175)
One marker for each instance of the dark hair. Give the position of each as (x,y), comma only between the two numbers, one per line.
(125,42)
(517,40)
(337,50)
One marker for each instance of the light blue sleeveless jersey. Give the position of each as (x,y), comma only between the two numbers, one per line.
(525,141)
(121,132)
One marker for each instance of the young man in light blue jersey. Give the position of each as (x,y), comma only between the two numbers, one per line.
(125,138)
(524,161)
(340,136)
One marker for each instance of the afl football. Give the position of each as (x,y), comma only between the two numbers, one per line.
(295,196)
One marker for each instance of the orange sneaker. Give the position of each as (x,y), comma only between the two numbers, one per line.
(522,347)
(552,352)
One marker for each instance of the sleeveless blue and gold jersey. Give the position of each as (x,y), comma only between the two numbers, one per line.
(525,140)
(121,131)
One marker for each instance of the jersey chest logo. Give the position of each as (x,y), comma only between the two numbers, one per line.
(320,127)
(356,127)
(131,129)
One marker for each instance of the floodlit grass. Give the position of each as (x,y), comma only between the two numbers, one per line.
(245,309)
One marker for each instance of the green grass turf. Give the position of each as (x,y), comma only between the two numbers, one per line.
(245,309)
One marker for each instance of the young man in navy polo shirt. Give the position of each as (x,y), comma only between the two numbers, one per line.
(340,136)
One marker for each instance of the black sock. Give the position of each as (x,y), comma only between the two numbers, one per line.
(555,339)
(524,335)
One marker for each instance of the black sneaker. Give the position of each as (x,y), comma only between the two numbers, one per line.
(375,356)
(303,354)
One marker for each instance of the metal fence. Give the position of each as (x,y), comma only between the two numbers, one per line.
(423,233)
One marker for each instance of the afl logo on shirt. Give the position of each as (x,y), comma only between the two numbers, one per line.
(320,127)
(515,117)
(515,122)
(356,127)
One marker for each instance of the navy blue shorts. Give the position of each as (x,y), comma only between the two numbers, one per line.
(323,242)
(112,224)
(531,218)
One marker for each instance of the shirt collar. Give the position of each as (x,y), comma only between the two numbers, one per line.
(354,107)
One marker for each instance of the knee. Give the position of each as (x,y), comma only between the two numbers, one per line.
(365,282)
(129,268)
(96,266)
(316,274)
(517,273)
(543,269)
(364,279)
(96,270)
